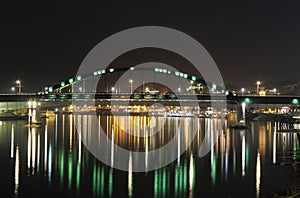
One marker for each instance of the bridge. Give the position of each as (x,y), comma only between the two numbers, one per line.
(63,92)
(287,100)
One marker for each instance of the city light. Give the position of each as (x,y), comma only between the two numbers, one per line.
(130,81)
(18,82)
(243,90)
(258,83)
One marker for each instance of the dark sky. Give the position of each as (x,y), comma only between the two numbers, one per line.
(44,43)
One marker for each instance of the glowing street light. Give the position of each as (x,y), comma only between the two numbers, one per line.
(13,89)
(179,89)
(130,81)
(275,91)
(243,90)
(18,82)
(258,83)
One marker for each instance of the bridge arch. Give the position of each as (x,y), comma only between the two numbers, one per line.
(69,83)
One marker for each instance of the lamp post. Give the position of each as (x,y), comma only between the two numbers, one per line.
(243,90)
(179,89)
(18,82)
(275,91)
(13,89)
(130,81)
(258,83)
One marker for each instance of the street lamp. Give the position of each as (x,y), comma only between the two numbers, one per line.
(18,82)
(130,81)
(179,89)
(13,89)
(243,90)
(274,90)
(112,89)
(258,83)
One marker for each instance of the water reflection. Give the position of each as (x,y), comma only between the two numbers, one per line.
(191,175)
(17,172)
(130,179)
(12,142)
(258,174)
(56,153)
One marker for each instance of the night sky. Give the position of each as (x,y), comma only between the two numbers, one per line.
(44,43)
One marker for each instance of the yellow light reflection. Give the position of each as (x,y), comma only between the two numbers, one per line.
(46,148)
(112,147)
(191,175)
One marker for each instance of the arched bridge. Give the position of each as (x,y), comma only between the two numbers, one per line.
(69,83)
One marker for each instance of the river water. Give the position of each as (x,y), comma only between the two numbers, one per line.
(52,160)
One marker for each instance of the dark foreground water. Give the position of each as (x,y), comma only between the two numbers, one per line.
(50,160)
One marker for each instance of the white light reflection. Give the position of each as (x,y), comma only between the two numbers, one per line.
(38,151)
(17,170)
(49,163)
(56,120)
(258,174)
(226,164)
(191,175)
(71,124)
(274,143)
(209,132)
(79,145)
(146,150)
(130,176)
(33,151)
(243,156)
(29,148)
(12,142)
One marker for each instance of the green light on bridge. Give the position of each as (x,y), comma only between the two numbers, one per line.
(214,86)
(164,71)
(247,100)
(177,73)
(99,72)
(78,77)
(95,73)
(103,71)
(50,89)
(180,74)
(62,84)
(194,78)
(295,101)
(111,70)
(156,69)
(71,80)
(169,72)
(185,75)
(131,68)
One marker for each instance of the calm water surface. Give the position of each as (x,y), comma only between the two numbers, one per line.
(51,160)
